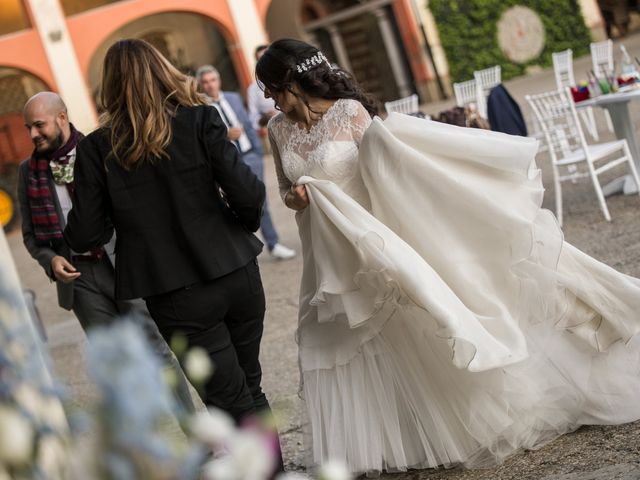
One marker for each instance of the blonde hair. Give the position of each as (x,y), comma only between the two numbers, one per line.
(141,92)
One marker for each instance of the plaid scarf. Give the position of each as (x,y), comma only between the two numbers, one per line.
(44,216)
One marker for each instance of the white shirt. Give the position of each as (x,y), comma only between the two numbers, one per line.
(258,104)
(230,119)
(64,199)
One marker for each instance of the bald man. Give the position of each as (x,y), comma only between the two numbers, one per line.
(84,280)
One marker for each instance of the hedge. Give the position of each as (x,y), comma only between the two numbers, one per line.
(468,32)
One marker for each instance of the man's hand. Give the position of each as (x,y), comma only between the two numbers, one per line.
(297,198)
(63,270)
(234,133)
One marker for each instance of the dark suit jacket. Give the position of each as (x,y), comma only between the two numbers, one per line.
(173,228)
(504,113)
(43,254)
(235,100)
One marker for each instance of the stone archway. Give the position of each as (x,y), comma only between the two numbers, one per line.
(188,40)
(283,20)
(16,87)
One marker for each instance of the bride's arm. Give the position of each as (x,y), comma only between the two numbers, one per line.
(293,196)
(283,182)
(360,122)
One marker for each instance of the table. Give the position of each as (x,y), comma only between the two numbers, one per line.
(618,106)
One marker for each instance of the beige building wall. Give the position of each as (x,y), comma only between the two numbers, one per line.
(433,37)
(593,19)
(50,22)
(250,28)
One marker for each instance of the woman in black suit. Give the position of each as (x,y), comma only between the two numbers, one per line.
(155,170)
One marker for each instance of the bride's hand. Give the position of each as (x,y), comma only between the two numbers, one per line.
(297,198)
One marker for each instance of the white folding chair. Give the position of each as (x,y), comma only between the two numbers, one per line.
(563,71)
(563,68)
(557,116)
(466,93)
(602,62)
(535,131)
(486,79)
(602,57)
(407,105)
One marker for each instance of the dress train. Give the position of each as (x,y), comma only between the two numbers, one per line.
(450,322)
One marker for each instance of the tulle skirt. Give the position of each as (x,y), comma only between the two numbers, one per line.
(451,323)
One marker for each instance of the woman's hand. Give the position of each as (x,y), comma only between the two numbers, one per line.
(297,198)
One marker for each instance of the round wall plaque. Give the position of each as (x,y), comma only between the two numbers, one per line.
(520,34)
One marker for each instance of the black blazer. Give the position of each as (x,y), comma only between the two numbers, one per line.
(173,227)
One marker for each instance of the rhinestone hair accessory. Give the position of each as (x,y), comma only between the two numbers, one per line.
(312,62)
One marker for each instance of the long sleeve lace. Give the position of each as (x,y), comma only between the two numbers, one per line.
(359,122)
(329,149)
(284,184)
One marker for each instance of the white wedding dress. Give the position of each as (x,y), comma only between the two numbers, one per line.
(443,319)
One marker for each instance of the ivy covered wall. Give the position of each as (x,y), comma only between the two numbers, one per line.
(468,32)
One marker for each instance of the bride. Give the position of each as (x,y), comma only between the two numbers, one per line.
(443,319)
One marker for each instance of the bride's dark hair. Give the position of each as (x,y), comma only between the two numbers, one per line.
(277,71)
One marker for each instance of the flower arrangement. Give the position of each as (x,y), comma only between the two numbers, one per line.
(134,398)
(127,441)
(34,433)
(134,401)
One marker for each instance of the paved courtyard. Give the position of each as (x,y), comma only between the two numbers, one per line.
(590,453)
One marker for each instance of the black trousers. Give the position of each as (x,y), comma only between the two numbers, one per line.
(94,304)
(225,317)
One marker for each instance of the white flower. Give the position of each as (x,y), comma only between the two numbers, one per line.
(334,470)
(54,415)
(252,455)
(30,399)
(52,456)
(212,427)
(43,408)
(220,469)
(198,365)
(292,476)
(16,437)
(249,458)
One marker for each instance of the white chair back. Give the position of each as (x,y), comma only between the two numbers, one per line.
(466,93)
(407,105)
(568,148)
(602,57)
(556,115)
(563,68)
(486,79)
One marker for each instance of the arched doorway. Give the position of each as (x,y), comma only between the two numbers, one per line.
(188,40)
(16,86)
(361,37)
(284,20)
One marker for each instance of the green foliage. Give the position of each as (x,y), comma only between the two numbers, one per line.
(468,31)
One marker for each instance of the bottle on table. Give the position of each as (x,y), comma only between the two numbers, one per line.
(628,71)
(594,87)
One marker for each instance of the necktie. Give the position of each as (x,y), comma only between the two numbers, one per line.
(243,143)
(225,119)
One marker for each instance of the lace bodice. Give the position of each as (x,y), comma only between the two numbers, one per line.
(329,150)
